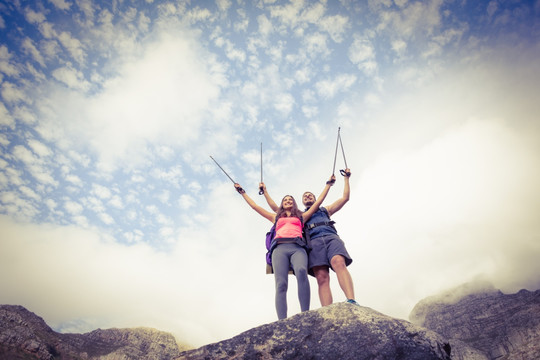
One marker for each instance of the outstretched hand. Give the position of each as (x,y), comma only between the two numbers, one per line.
(332,180)
(346,172)
(239,188)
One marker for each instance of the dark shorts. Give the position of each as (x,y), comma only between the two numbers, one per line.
(324,248)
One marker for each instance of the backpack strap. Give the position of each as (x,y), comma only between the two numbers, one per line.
(314,225)
(321,223)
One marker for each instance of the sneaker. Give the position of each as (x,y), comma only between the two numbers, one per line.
(352,301)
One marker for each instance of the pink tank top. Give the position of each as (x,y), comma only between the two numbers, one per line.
(288,227)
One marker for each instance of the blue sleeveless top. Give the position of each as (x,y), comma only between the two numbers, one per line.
(318,217)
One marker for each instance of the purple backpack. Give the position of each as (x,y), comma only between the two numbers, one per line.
(269,237)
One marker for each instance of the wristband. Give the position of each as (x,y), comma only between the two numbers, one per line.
(240,190)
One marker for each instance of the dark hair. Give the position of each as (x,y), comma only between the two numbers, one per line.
(295,212)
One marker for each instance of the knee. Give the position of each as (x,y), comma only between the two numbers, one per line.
(338,263)
(301,272)
(281,287)
(322,275)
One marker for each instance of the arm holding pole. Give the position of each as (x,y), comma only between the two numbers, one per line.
(269,200)
(263,212)
(338,204)
(320,199)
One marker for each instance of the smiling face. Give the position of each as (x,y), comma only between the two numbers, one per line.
(287,202)
(308,199)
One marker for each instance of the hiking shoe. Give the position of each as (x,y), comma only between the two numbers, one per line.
(352,301)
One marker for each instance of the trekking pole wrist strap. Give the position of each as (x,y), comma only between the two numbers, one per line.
(345,173)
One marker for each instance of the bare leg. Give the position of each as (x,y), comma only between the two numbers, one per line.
(322,275)
(343,275)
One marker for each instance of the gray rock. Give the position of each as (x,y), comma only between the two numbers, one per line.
(339,331)
(500,326)
(24,335)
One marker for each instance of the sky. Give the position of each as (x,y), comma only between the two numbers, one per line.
(113,214)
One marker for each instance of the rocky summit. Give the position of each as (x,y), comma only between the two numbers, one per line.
(471,322)
(340,331)
(499,326)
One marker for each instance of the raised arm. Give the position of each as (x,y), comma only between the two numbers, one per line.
(338,204)
(269,200)
(320,199)
(264,213)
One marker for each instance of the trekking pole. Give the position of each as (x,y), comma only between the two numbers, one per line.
(343,172)
(335,154)
(239,189)
(261,189)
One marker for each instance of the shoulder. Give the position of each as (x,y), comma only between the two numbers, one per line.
(325,211)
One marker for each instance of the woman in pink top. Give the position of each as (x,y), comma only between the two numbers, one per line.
(289,247)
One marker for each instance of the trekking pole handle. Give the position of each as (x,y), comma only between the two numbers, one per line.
(345,173)
(238,188)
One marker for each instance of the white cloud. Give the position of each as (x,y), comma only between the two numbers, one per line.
(13,94)
(186,201)
(34,17)
(3,138)
(61,4)
(329,88)
(316,45)
(160,94)
(73,207)
(116,201)
(29,193)
(73,46)
(74,79)
(39,148)
(194,187)
(24,114)
(265,25)
(223,5)
(6,65)
(412,18)
(74,179)
(336,26)
(17,207)
(29,47)
(106,218)
(284,103)
(5,117)
(101,191)
(164,196)
(362,53)
(35,165)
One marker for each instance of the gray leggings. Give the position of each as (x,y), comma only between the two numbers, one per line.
(285,256)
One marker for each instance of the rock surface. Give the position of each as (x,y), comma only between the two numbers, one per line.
(340,331)
(472,322)
(500,326)
(24,335)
